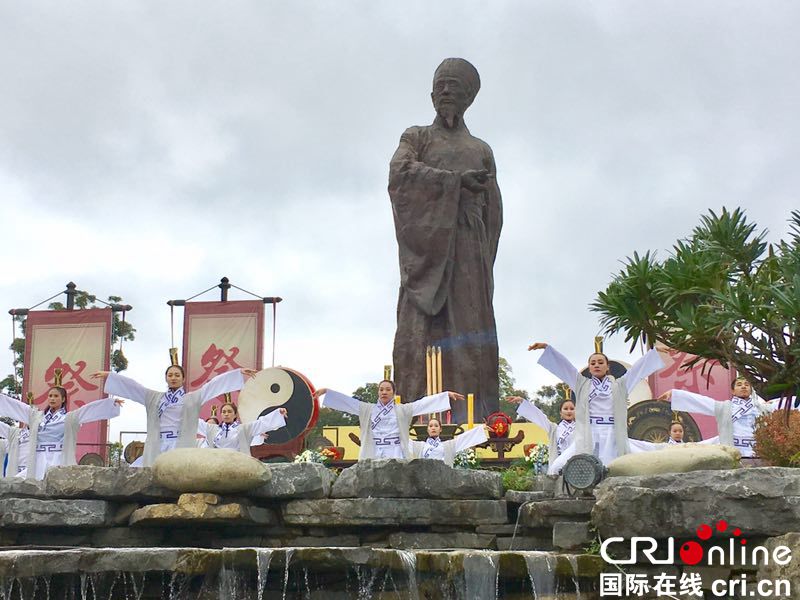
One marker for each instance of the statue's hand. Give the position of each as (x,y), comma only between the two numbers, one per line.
(475,180)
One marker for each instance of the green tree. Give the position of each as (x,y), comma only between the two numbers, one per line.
(548,398)
(723,293)
(507,389)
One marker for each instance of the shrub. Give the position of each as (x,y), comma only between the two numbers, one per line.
(777,443)
(518,478)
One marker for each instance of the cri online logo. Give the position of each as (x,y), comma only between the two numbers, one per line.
(692,552)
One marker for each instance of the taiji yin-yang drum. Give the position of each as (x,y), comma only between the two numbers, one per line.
(274,388)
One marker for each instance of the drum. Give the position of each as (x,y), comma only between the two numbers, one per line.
(650,421)
(133,451)
(92,459)
(279,387)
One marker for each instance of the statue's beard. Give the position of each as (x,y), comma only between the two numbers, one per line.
(449,112)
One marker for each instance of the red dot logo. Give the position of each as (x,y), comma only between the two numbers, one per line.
(691,552)
(722,526)
(704,532)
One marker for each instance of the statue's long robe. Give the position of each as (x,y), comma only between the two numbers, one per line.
(447,238)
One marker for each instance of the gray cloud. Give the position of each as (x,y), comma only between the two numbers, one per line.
(182,142)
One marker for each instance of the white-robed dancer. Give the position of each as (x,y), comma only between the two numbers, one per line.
(232,433)
(54,431)
(172,415)
(560,435)
(384,426)
(601,409)
(14,447)
(436,449)
(736,418)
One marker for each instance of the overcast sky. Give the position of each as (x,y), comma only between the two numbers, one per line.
(148,149)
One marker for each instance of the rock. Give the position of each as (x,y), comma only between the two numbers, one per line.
(413,541)
(338,541)
(415,479)
(762,502)
(114,483)
(201,509)
(33,563)
(127,537)
(209,470)
(549,512)
(519,497)
(571,536)
(376,512)
(524,542)
(32,512)
(18,488)
(296,480)
(677,458)
(789,572)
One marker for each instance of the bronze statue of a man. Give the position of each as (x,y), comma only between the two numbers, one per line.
(447,215)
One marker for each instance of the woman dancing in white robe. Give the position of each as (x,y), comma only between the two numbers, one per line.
(235,435)
(172,415)
(385,425)
(601,410)
(435,449)
(560,435)
(54,431)
(736,418)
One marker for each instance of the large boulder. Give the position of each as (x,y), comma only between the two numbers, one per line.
(762,502)
(213,470)
(415,479)
(677,458)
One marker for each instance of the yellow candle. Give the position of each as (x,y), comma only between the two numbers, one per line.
(428,359)
(439,383)
(470,411)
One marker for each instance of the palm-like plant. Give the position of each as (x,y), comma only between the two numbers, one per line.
(723,293)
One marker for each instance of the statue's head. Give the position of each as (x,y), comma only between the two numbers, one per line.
(455,84)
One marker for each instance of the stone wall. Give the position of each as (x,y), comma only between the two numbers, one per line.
(381,504)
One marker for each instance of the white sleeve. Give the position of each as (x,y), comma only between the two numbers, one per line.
(534,414)
(230,381)
(269,422)
(559,365)
(125,387)
(644,367)
(15,409)
(691,402)
(431,404)
(468,439)
(98,410)
(202,428)
(5,428)
(341,402)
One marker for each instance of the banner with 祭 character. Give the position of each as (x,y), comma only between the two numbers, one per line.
(78,342)
(708,378)
(220,337)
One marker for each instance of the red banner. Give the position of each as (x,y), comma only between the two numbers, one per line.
(707,377)
(220,337)
(78,342)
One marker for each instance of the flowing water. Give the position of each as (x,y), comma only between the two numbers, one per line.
(291,574)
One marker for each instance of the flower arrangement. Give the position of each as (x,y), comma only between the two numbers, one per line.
(313,456)
(466,459)
(537,457)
